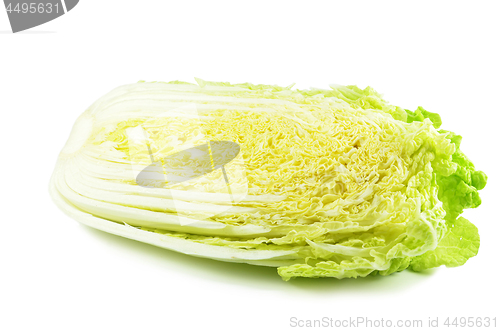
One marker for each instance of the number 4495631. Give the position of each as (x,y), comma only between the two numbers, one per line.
(471,322)
(33,8)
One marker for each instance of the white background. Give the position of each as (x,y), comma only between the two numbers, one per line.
(59,275)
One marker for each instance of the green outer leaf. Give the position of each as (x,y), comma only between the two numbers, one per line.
(460,243)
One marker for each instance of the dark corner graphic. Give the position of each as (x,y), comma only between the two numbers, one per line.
(26,14)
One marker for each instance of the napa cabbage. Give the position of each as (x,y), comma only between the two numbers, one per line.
(319,183)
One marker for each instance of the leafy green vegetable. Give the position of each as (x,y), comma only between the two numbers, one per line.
(319,183)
